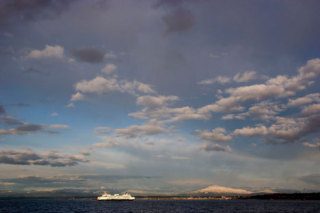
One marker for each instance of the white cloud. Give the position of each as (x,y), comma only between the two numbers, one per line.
(212,147)
(245,76)
(98,85)
(151,128)
(58,126)
(170,114)
(135,86)
(311,109)
(215,135)
(48,52)
(284,129)
(219,79)
(312,145)
(101,85)
(76,97)
(251,131)
(155,101)
(308,99)
(109,68)
(263,110)
(278,87)
(239,77)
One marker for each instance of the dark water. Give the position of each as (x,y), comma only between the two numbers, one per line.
(91,205)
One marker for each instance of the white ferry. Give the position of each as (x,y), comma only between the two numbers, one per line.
(116,197)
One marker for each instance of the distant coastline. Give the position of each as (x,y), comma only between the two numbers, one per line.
(275,196)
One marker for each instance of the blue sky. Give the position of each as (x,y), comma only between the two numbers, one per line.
(159,96)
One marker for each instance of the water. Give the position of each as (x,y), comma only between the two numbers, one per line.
(167,206)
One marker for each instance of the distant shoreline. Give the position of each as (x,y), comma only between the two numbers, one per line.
(275,196)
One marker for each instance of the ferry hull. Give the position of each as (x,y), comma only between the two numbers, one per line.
(114,199)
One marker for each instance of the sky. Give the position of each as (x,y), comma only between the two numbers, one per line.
(159,96)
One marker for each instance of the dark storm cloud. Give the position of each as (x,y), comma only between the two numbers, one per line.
(29,157)
(313,179)
(26,10)
(179,20)
(90,55)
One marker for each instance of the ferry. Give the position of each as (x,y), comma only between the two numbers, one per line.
(115,197)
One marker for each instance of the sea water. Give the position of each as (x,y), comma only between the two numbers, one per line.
(168,206)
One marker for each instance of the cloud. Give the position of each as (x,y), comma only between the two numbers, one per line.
(215,135)
(101,85)
(109,68)
(77,96)
(29,128)
(219,79)
(278,87)
(151,128)
(246,76)
(239,77)
(263,110)
(48,52)
(308,99)
(158,108)
(98,85)
(135,86)
(58,126)
(311,109)
(26,128)
(251,131)
(9,120)
(179,20)
(283,129)
(29,157)
(89,55)
(315,145)
(211,147)
(170,114)
(155,101)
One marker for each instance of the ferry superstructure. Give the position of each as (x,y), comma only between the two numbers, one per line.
(116,197)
